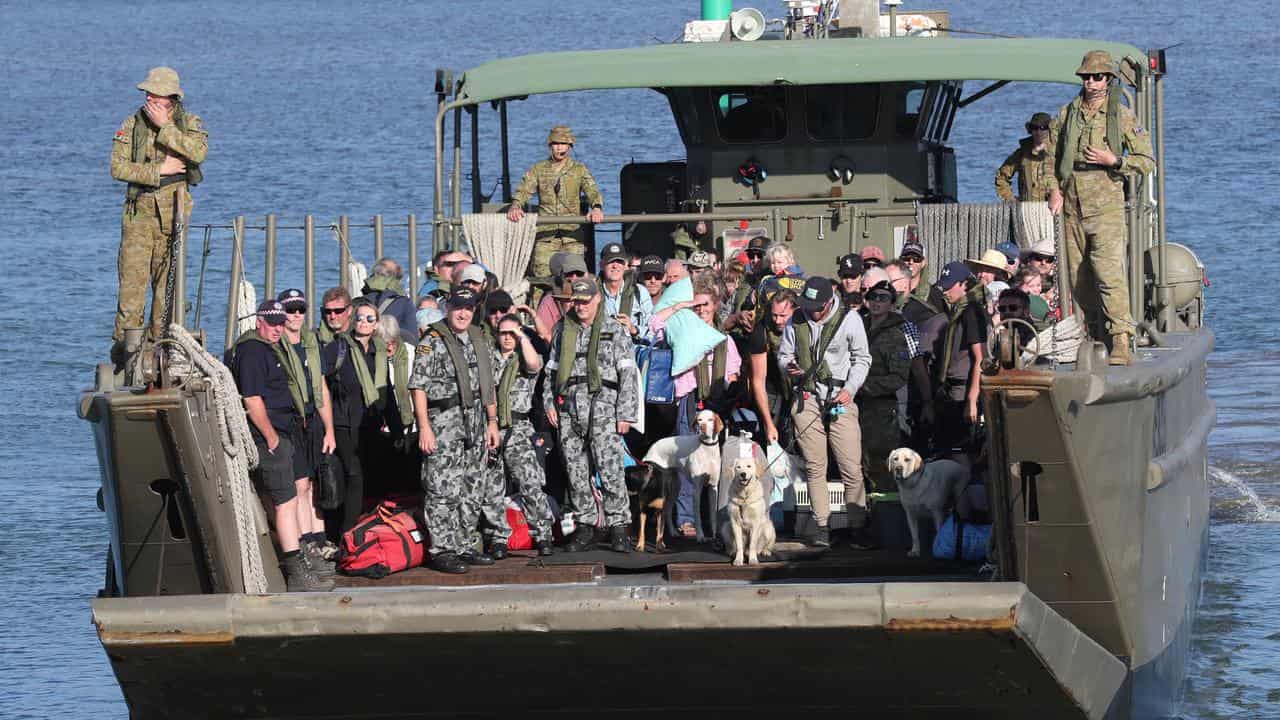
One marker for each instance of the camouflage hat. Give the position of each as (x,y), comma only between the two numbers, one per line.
(680,238)
(1097,61)
(162,81)
(561,134)
(1040,120)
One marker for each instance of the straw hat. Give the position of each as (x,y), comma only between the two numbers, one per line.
(991,261)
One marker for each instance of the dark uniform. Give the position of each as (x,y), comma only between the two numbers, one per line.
(878,397)
(259,372)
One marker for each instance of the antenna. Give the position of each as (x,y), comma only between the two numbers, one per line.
(746,24)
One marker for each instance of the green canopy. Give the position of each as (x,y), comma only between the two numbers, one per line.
(801,62)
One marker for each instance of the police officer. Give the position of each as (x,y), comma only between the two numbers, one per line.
(591,398)
(453,399)
(258,365)
(158,151)
(1032,162)
(559,181)
(1097,142)
(825,350)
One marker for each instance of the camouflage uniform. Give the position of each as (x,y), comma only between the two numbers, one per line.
(1034,169)
(588,423)
(451,504)
(518,457)
(1094,215)
(558,186)
(146,225)
(878,398)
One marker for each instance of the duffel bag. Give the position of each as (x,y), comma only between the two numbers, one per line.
(385,541)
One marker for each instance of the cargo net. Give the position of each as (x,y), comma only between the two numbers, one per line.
(960,231)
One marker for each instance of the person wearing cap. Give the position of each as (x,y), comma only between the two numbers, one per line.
(824,349)
(1042,258)
(1031,162)
(560,182)
(443,264)
(384,288)
(770,386)
(957,357)
(157,151)
(757,268)
(849,273)
(1098,143)
(913,257)
(457,415)
(591,397)
(893,345)
(313,436)
(624,300)
(652,272)
(700,262)
(872,256)
(258,363)
(1012,256)
(551,307)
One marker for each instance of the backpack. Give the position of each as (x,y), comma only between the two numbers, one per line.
(387,540)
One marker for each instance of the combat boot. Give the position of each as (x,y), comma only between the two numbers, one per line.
(313,553)
(544,548)
(584,538)
(1120,354)
(299,578)
(498,550)
(619,539)
(449,563)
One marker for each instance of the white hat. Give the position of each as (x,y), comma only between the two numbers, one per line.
(472,273)
(1044,247)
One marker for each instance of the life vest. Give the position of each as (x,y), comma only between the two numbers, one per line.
(804,349)
(461,369)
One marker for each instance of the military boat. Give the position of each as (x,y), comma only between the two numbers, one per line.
(829,132)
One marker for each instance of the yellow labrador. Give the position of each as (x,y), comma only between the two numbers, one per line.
(749,528)
(928,489)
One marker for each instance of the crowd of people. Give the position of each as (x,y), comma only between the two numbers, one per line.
(469,398)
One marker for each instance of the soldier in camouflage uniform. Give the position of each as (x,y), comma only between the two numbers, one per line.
(1032,162)
(591,397)
(517,368)
(158,151)
(1097,142)
(559,182)
(457,416)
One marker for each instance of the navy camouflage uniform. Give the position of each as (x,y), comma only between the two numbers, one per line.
(588,423)
(517,456)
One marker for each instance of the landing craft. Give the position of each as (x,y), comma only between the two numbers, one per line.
(828,131)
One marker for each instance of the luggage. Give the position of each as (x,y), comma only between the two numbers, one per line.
(387,540)
(655,362)
(973,541)
(520,538)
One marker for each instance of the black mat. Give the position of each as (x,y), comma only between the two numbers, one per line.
(683,552)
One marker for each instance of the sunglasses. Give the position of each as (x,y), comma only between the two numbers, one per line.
(1094,76)
(755,253)
(1009,309)
(912,259)
(1043,258)
(1037,127)
(868,264)
(335,311)
(879,296)
(500,310)
(296,310)
(574,275)
(651,277)
(367,318)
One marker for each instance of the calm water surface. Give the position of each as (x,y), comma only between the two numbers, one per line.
(325,107)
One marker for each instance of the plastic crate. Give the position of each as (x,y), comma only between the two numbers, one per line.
(835,496)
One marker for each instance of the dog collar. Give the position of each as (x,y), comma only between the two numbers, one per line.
(705,442)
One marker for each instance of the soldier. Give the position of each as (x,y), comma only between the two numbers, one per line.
(158,151)
(559,182)
(1032,162)
(1092,135)
(591,397)
(517,372)
(453,400)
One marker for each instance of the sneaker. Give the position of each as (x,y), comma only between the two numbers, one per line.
(820,536)
(299,578)
(544,548)
(498,551)
(619,540)
(862,539)
(449,563)
(313,553)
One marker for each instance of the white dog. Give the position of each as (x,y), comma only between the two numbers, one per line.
(748,515)
(698,457)
(926,489)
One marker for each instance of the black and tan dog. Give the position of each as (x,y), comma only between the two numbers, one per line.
(649,487)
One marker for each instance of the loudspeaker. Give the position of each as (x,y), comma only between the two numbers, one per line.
(746,24)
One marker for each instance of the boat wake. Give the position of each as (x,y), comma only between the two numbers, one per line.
(1235,500)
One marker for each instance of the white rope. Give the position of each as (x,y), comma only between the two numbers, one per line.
(357,273)
(502,246)
(1033,223)
(247,307)
(239,452)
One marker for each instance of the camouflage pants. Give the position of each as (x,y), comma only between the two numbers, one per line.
(521,461)
(450,504)
(1094,248)
(591,439)
(881,435)
(145,233)
(491,500)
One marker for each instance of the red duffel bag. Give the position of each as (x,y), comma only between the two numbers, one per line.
(387,540)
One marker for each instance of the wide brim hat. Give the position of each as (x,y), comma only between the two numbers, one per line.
(162,81)
(1097,61)
(991,261)
(561,134)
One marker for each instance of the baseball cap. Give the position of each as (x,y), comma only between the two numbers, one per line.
(700,259)
(498,299)
(652,264)
(472,273)
(871,252)
(271,311)
(849,266)
(912,247)
(580,289)
(816,294)
(1011,250)
(572,263)
(462,298)
(954,272)
(759,242)
(611,252)
(292,296)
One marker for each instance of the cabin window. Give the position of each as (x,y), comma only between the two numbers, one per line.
(913,110)
(841,112)
(754,114)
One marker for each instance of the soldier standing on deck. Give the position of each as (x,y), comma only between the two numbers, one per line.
(590,396)
(1032,162)
(1091,136)
(158,151)
(559,181)
(453,400)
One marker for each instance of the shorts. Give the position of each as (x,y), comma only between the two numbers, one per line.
(307,444)
(276,469)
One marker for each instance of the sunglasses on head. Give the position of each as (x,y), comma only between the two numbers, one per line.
(367,318)
(336,311)
(296,310)
(1094,76)
(1009,309)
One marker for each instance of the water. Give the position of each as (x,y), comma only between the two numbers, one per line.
(325,107)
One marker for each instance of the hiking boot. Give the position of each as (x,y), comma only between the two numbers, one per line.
(544,548)
(329,551)
(619,539)
(299,578)
(449,563)
(862,539)
(819,536)
(498,550)
(313,553)
(475,558)
(584,538)
(1120,353)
